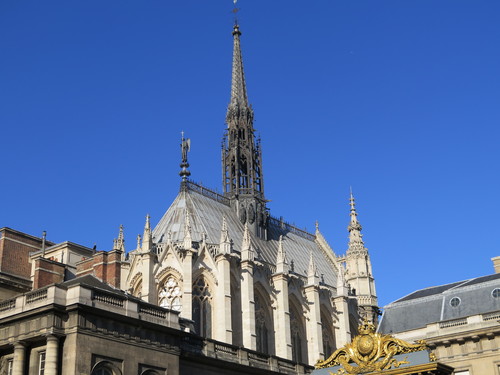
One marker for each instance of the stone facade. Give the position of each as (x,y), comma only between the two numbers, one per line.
(218,284)
(86,327)
(458,320)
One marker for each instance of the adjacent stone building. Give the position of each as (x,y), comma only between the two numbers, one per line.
(460,321)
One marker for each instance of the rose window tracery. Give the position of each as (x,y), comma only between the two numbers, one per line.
(170,295)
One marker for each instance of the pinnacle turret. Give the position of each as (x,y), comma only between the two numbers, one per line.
(281,262)
(119,243)
(225,242)
(312,273)
(354,228)
(246,246)
(147,239)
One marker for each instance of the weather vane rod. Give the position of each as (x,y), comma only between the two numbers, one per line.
(235,12)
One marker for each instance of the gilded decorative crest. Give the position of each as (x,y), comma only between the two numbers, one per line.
(370,351)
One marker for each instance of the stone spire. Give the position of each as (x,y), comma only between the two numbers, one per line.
(281,263)
(359,274)
(119,243)
(312,274)
(147,239)
(225,243)
(238,104)
(354,228)
(242,177)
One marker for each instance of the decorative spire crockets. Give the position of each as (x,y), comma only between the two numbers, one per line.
(119,243)
(147,239)
(354,228)
(238,104)
(241,153)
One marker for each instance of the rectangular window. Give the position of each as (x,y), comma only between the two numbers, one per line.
(10,365)
(41,363)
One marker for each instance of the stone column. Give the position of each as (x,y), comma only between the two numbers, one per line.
(187,285)
(314,326)
(344,331)
(51,354)
(149,288)
(283,337)
(248,305)
(19,358)
(223,331)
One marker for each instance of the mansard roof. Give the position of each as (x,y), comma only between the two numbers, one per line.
(206,210)
(431,305)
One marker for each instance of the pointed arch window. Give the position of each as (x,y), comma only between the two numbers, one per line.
(296,337)
(202,307)
(170,295)
(328,335)
(261,329)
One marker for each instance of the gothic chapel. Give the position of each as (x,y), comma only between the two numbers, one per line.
(240,275)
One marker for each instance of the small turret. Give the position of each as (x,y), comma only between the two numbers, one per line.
(119,243)
(359,275)
(147,239)
(225,242)
(247,252)
(312,273)
(281,262)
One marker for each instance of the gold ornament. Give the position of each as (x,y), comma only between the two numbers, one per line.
(370,351)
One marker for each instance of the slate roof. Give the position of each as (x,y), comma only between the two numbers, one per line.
(206,211)
(432,305)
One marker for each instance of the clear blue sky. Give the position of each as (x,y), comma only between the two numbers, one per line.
(398,99)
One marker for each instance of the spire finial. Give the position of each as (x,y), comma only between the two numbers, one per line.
(147,239)
(185,148)
(238,105)
(138,242)
(235,12)
(247,252)
(281,262)
(354,228)
(312,275)
(119,243)
(224,233)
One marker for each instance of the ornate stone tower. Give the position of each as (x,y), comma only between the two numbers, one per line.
(359,274)
(242,178)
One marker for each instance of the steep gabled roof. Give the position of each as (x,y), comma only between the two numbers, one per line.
(206,210)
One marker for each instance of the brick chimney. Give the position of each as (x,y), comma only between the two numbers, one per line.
(105,265)
(496,264)
(47,271)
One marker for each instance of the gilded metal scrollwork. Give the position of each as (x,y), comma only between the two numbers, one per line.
(370,351)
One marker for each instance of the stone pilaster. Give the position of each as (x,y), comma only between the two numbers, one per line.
(51,354)
(187,286)
(283,337)
(19,359)
(314,326)
(223,331)
(248,305)
(343,334)
(149,288)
